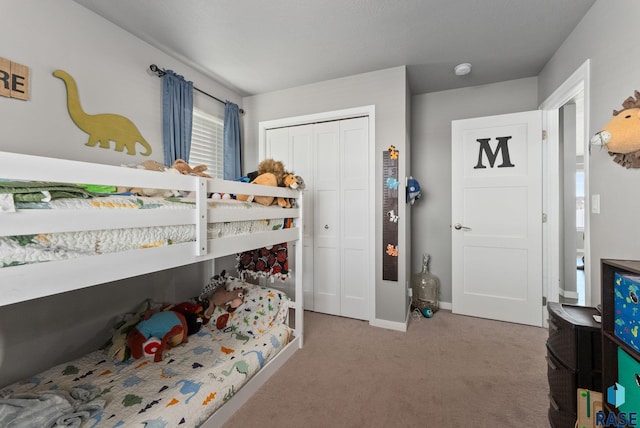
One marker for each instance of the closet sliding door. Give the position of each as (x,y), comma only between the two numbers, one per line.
(294,147)
(342,219)
(333,159)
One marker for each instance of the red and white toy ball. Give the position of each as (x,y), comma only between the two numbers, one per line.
(150,347)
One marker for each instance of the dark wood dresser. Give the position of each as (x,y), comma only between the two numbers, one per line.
(574,359)
(620,342)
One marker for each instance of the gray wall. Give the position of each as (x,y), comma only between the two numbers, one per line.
(608,36)
(432,114)
(110,67)
(387,90)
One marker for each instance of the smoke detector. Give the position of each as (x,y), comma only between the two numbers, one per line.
(462,69)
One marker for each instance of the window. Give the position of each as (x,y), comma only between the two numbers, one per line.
(207,143)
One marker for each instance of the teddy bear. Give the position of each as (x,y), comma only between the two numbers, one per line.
(156,333)
(621,136)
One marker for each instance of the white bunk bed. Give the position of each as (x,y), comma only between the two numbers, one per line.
(35,280)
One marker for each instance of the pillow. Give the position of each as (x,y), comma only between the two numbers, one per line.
(261,309)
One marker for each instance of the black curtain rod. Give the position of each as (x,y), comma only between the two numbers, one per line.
(160,72)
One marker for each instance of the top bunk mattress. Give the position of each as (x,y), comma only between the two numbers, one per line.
(44,246)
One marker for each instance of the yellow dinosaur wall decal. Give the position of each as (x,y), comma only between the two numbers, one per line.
(102,128)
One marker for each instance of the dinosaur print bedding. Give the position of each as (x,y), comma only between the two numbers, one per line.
(185,388)
(42,247)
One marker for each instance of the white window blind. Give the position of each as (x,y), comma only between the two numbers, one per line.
(207,143)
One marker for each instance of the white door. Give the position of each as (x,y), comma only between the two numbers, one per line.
(333,159)
(355,217)
(341,224)
(294,147)
(497,217)
(326,281)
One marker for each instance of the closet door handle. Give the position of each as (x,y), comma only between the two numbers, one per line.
(458,226)
(326,226)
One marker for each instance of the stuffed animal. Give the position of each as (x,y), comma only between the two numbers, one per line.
(151,165)
(184,168)
(272,173)
(413,190)
(266,179)
(116,347)
(294,182)
(169,328)
(621,135)
(194,315)
(274,167)
(225,299)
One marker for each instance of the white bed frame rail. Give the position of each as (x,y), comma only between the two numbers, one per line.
(25,282)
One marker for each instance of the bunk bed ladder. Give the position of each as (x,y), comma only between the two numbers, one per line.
(201,220)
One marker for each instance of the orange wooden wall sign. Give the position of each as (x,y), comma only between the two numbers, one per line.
(14,80)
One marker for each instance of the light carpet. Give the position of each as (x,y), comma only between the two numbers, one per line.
(446,371)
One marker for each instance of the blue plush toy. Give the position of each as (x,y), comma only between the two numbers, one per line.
(413,190)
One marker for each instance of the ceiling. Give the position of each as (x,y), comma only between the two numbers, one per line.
(258,46)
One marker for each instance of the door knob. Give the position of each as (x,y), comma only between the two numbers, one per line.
(326,226)
(458,226)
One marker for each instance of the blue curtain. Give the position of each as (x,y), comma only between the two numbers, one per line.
(232,142)
(177,115)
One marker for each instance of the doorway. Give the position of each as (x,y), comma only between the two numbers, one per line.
(566,193)
(572,201)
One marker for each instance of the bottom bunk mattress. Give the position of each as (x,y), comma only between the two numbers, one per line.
(190,383)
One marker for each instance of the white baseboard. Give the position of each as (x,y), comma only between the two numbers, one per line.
(391,325)
(445,305)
